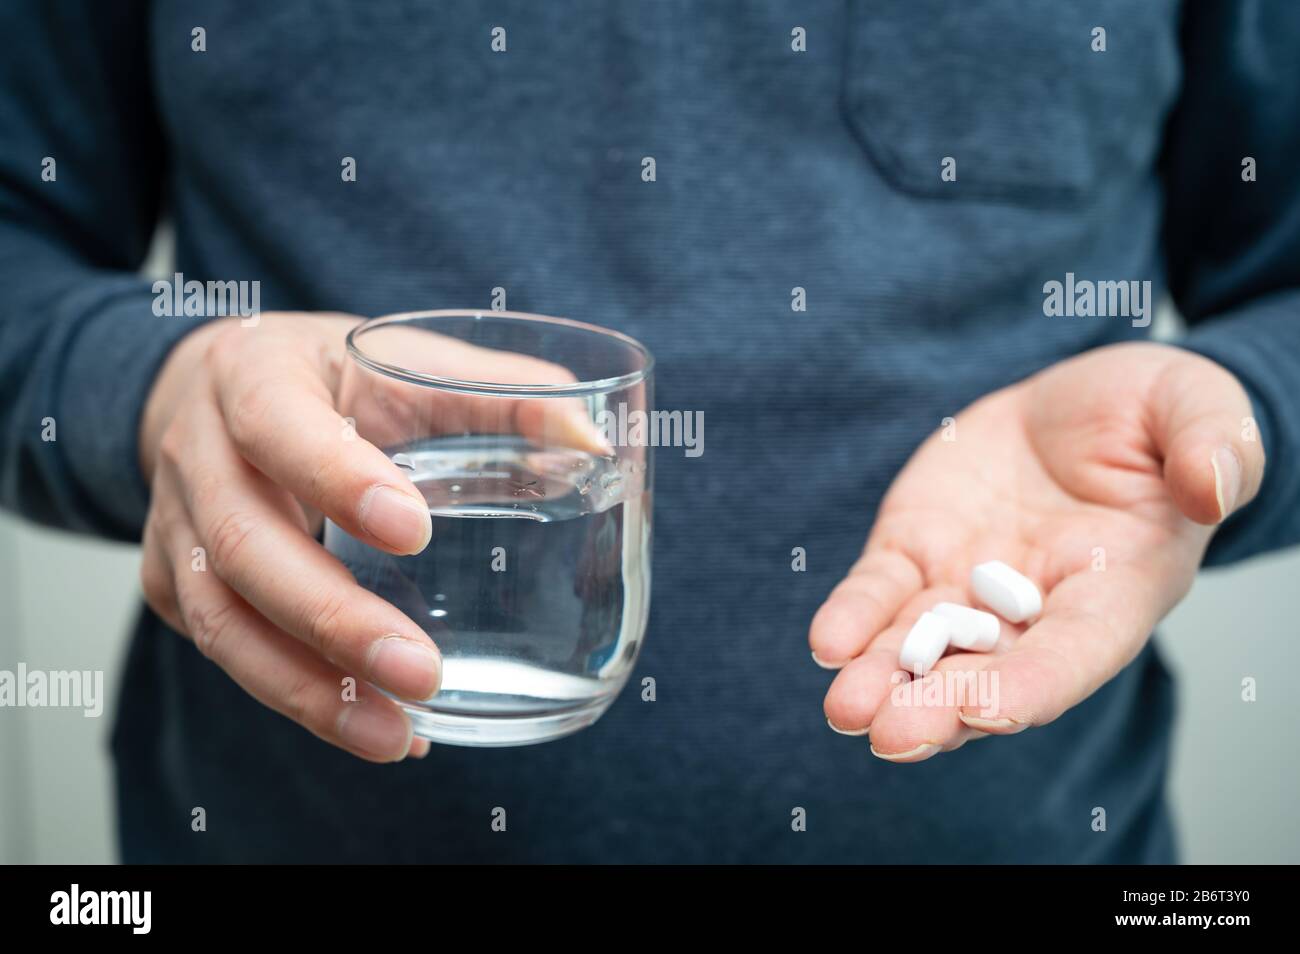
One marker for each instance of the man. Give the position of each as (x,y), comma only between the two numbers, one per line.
(857,238)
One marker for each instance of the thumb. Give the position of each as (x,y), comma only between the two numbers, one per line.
(1204,429)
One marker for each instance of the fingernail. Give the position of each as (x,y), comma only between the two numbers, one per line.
(590,436)
(999,726)
(377,730)
(835,728)
(571,426)
(826,665)
(1227,480)
(919,754)
(407,667)
(395,518)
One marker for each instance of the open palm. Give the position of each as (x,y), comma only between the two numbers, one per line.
(1101,479)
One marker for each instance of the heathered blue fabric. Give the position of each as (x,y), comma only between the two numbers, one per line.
(775,169)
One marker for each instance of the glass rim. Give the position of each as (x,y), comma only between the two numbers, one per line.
(576,388)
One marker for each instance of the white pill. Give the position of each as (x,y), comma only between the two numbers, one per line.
(925,643)
(1009,594)
(971,629)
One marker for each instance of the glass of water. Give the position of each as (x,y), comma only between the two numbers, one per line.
(521,433)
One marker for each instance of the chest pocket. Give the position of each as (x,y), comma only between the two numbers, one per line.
(1014,92)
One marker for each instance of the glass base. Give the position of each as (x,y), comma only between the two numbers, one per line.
(480,731)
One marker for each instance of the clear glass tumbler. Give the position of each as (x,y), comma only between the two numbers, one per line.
(536,583)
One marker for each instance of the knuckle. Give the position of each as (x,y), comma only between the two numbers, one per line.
(325,478)
(171,444)
(223,350)
(227,536)
(248,410)
(204,491)
(155,582)
(209,627)
(325,621)
(298,700)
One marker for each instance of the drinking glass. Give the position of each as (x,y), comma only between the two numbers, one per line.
(535,584)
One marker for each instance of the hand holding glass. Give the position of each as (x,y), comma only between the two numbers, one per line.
(535,584)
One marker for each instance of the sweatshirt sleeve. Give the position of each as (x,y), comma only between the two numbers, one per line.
(1232,235)
(80,188)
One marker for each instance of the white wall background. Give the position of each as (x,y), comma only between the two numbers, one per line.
(65,603)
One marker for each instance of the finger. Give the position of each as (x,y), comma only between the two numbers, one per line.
(248,528)
(1214,459)
(419,748)
(282,673)
(156,575)
(861,687)
(862,605)
(1092,626)
(280,414)
(401,412)
(920,718)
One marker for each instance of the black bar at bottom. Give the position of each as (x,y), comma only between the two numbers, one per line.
(333,903)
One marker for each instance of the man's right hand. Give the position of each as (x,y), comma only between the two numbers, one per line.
(240,441)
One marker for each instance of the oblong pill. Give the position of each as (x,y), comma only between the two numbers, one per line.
(973,630)
(1011,595)
(924,644)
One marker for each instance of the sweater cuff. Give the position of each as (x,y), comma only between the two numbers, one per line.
(111,361)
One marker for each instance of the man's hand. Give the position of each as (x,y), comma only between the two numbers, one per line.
(1102,479)
(240,440)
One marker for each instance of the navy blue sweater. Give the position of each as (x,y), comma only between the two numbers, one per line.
(775,169)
